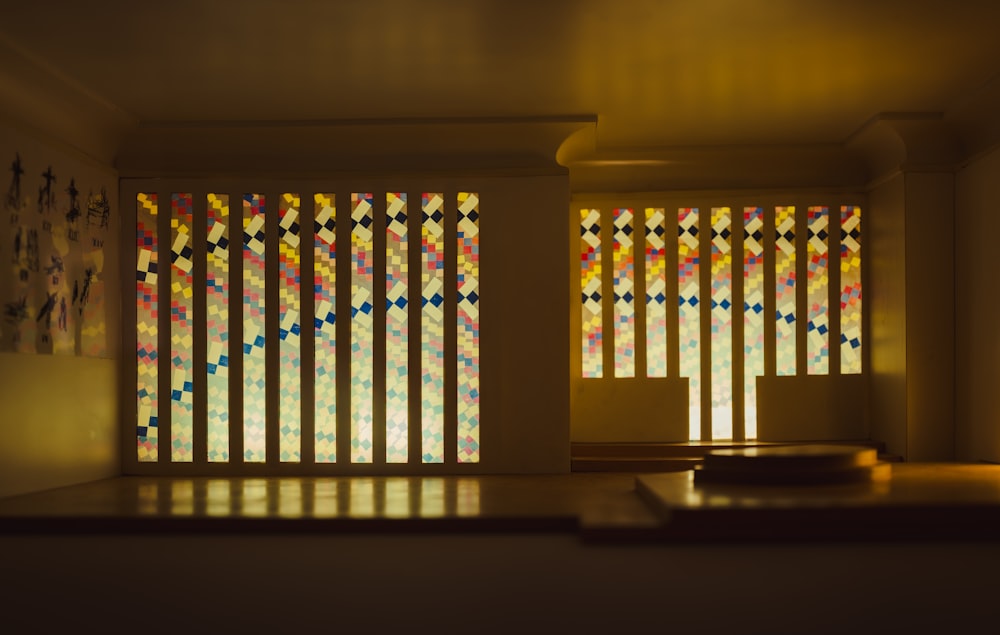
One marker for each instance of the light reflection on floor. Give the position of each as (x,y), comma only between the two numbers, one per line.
(356,497)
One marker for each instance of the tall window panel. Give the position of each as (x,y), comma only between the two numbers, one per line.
(217,326)
(689,320)
(396,328)
(146,331)
(784,271)
(362,327)
(590,277)
(432,327)
(722,323)
(254,368)
(753,313)
(624,290)
(656,294)
(468,327)
(850,294)
(818,292)
(325,325)
(290,327)
(181,329)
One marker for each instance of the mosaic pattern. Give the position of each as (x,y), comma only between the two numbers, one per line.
(325,325)
(432,327)
(689,321)
(468,327)
(656,294)
(147,309)
(362,327)
(784,270)
(753,313)
(624,290)
(254,378)
(217,326)
(181,329)
(396,328)
(850,294)
(590,276)
(818,292)
(289,329)
(722,324)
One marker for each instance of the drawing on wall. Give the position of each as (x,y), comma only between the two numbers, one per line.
(52,286)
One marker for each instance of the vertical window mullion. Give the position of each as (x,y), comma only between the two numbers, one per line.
(199,379)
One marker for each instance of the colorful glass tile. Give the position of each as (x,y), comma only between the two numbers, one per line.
(432,327)
(590,277)
(289,329)
(397,309)
(722,323)
(624,290)
(217,326)
(181,329)
(818,291)
(689,320)
(753,313)
(784,271)
(147,333)
(362,327)
(850,294)
(254,367)
(468,327)
(325,325)
(656,294)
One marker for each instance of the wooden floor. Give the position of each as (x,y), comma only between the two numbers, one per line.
(585,503)
(911,501)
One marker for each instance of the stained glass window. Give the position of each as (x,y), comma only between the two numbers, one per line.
(181,329)
(689,320)
(624,289)
(818,292)
(217,326)
(722,324)
(468,327)
(362,327)
(590,276)
(850,295)
(396,328)
(784,271)
(289,329)
(432,327)
(656,294)
(147,342)
(753,313)
(324,322)
(254,368)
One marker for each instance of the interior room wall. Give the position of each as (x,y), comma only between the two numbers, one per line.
(885,298)
(977,301)
(58,412)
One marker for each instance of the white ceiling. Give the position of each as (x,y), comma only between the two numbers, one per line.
(656,72)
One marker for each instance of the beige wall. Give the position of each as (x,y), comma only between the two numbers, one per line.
(977,375)
(885,298)
(58,413)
